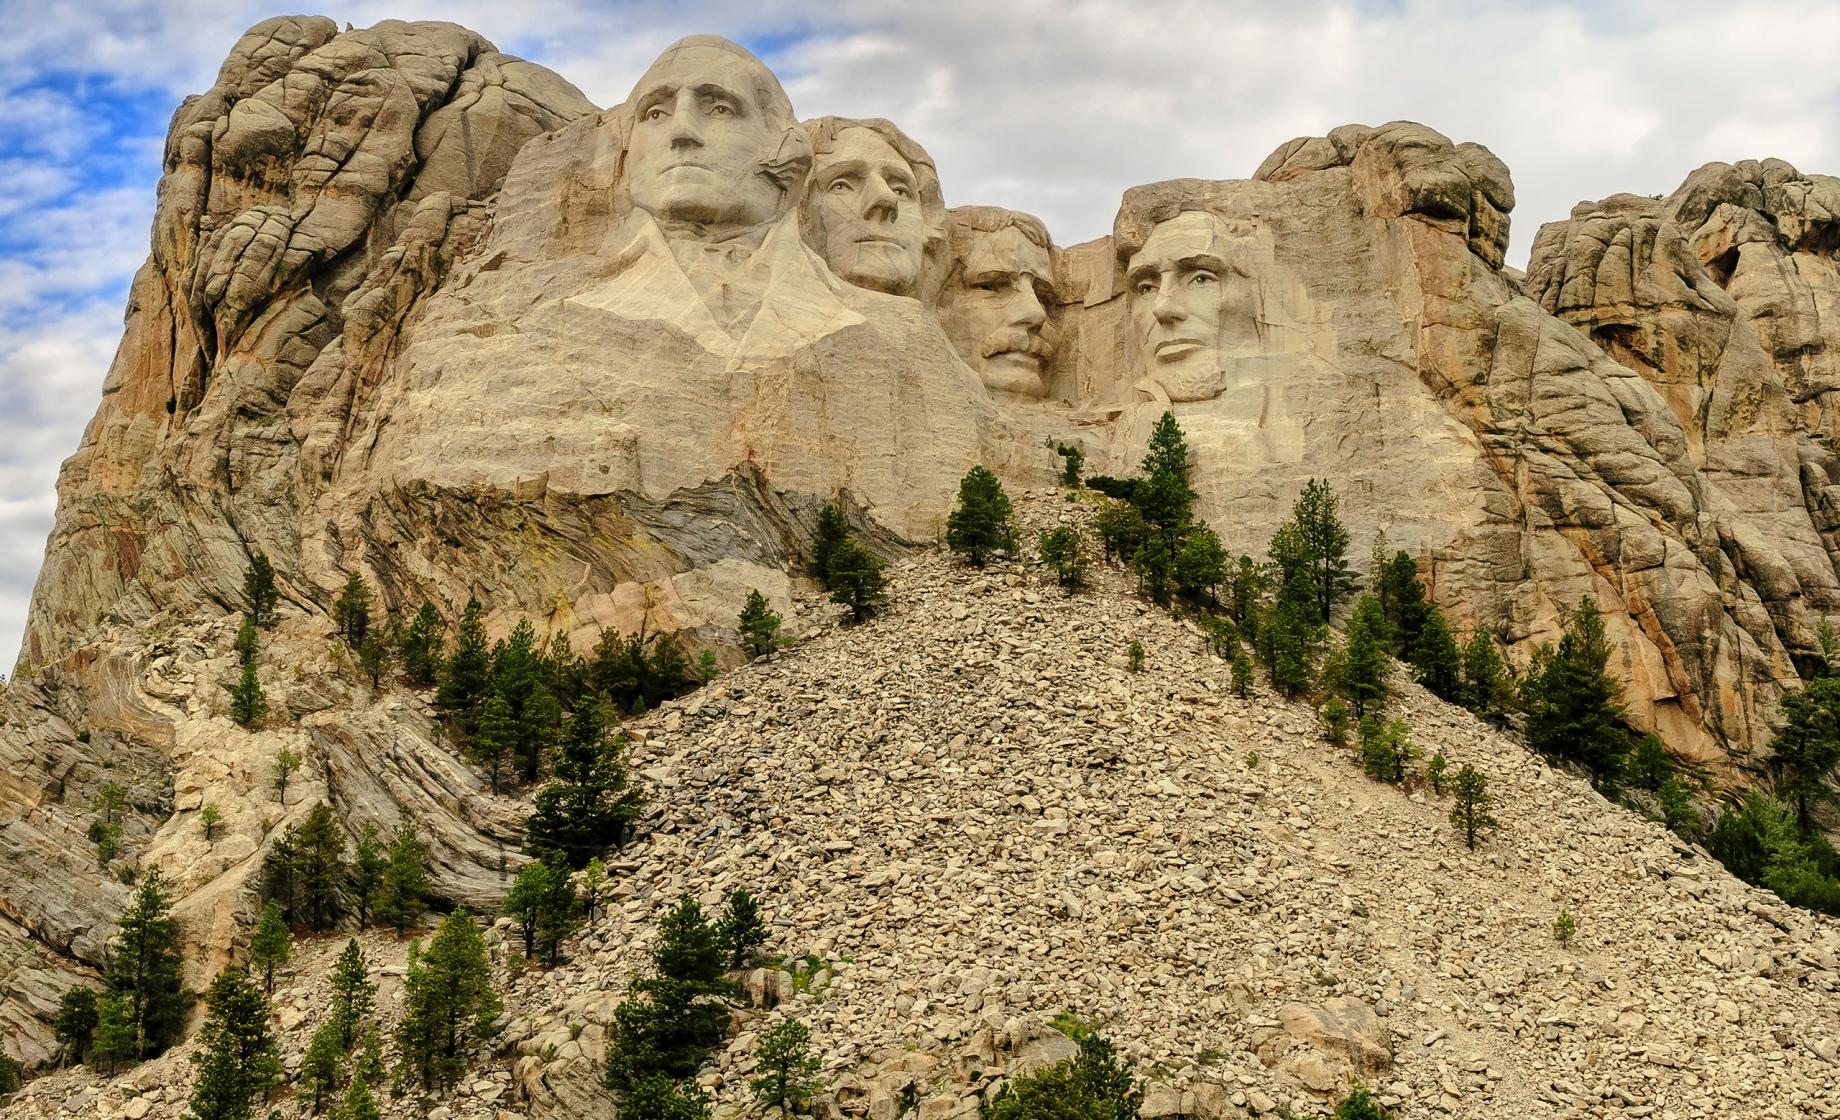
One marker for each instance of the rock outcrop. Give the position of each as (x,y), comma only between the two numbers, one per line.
(416,309)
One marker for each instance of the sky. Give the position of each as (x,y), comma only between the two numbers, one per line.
(1048,106)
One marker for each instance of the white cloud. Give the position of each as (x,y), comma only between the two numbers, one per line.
(1050,106)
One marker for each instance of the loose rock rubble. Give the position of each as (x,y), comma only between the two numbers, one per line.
(965,817)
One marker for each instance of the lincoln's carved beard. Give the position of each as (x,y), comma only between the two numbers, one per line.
(1202,377)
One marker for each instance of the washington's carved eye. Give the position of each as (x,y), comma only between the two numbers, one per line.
(655,113)
(721,109)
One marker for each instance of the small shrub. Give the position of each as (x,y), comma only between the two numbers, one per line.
(1564,927)
(1360,1104)
(1335,721)
(1252,760)
(1134,656)
(1092,1085)
(759,625)
(1242,675)
(1471,812)
(1434,772)
(1385,750)
(788,1068)
(1061,553)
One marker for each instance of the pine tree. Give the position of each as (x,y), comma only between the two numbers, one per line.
(689,947)
(323,1064)
(260,597)
(269,946)
(661,1098)
(980,524)
(1488,690)
(319,847)
(1364,668)
(286,762)
(1289,634)
(115,1034)
(1436,658)
(856,579)
(247,701)
(593,881)
(1386,750)
(1574,707)
(1094,1084)
(1807,749)
(788,1068)
(447,1001)
(542,901)
(590,806)
(1325,544)
(281,874)
(1165,502)
(1360,1104)
(1061,553)
(245,644)
(76,1022)
(354,996)
(1471,811)
(421,645)
(759,625)
(1242,675)
(1122,529)
(351,612)
(375,653)
(1403,598)
(369,857)
(144,968)
(1201,564)
(466,676)
(667,1027)
(359,1103)
(741,930)
(403,888)
(9,1074)
(237,1060)
(494,737)
(211,819)
(1167,452)
(833,530)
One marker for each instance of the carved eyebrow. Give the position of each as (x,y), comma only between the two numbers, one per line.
(656,94)
(1207,261)
(987,275)
(1145,271)
(711,90)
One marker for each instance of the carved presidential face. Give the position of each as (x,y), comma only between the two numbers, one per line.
(869,210)
(995,311)
(699,141)
(1178,303)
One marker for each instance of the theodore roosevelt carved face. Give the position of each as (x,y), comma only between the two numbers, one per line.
(712,146)
(996,303)
(1177,285)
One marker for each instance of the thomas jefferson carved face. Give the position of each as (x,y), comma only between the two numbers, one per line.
(995,309)
(869,209)
(701,139)
(1177,285)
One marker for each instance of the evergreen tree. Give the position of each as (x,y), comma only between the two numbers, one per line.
(1201,564)
(1165,502)
(9,1074)
(980,524)
(856,579)
(245,645)
(689,947)
(351,612)
(281,875)
(354,996)
(248,703)
(359,1103)
(269,946)
(1403,598)
(1649,764)
(1488,689)
(1242,675)
(369,858)
(1247,584)
(1360,1104)
(667,1026)
(1386,750)
(1167,452)
(1325,543)
(211,819)
(1758,840)
(833,530)
(538,729)
(542,901)
(494,737)
(1288,634)
(1154,564)
(369,1066)
(741,930)
(375,653)
(1807,749)
(402,894)
(1574,707)
(788,1068)
(319,853)
(759,625)
(1436,658)
(1364,667)
(286,762)
(593,881)
(466,677)
(323,1064)
(237,1059)
(421,645)
(661,1098)
(260,597)
(1828,644)
(1094,1084)
(638,672)
(1061,553)
(590,806)
(76,1022)
(144,971)
(1122,529)
(447,1001)
(115,1034)
(1471,811)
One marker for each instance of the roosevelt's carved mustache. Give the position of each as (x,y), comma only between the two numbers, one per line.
(1018,342)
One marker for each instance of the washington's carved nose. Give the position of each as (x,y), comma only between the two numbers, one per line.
(686,130)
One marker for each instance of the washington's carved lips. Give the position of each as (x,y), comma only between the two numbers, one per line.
(1172,349)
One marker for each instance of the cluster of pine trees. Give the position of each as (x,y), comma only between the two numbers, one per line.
(312,884)
(142,1007)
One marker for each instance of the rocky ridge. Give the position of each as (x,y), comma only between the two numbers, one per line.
(969,817)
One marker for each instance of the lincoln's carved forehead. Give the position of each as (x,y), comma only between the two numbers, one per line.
(1192,239)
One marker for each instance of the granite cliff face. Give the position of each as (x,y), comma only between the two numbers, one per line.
(415,308)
